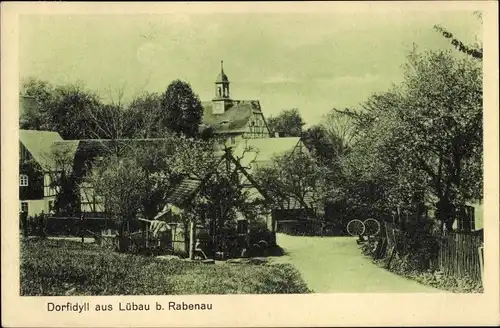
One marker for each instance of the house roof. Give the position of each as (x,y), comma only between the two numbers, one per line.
(39,144)
(233,120)
(184,191)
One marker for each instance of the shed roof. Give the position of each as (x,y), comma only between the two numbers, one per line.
(184,191)
(39,144)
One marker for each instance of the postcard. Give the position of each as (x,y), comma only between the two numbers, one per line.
(232,164)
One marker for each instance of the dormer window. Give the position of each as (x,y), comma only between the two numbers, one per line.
(23,180)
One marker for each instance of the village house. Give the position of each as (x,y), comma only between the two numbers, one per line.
(36,194)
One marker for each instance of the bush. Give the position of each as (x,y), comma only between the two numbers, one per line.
(52,267)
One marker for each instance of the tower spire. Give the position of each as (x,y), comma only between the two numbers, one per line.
(222,66)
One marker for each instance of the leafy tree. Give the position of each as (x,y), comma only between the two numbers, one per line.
(295,178)
(120,183)
(60,108)
(224,196)
(422,140)
(181,109)
(145,116)
(63,180)
(474,50)
(317,142)
(288,123)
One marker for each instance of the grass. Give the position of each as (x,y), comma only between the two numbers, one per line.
(434,279)
(58,267)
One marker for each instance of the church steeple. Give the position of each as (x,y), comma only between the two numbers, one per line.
(222,83)
(222,100)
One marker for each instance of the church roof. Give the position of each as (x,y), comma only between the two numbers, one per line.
(222,78)
(233,120)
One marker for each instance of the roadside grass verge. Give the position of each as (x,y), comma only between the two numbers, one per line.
(58,267)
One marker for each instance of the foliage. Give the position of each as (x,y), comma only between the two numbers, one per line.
(319,144)
(63,180)
(437,279)
(119,182)
(421,141)
(475,50)
(145,116)
(77,113)
(181,109)
(288,123)
(224,197)
(68,268)
(60,108)
(293,178)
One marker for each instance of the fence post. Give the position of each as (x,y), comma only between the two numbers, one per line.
(41,225)
(81,228)
(191,239)
(481,262)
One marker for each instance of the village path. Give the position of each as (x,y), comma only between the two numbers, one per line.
(336,265)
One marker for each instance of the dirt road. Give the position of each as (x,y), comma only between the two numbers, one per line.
(336,265)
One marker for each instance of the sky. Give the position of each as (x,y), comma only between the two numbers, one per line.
(310,61)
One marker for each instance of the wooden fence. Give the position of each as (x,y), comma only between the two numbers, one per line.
(461,255)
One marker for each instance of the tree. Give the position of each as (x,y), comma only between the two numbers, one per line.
(61,108)
(63,179)
(120,183)
(423,140)
(145,116)
(295,178)
(182,110)
(475,50)
(288,123)
(40,92)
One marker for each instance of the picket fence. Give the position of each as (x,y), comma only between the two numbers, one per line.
(461,255)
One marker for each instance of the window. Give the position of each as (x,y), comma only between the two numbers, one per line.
(24,207)
(23,180)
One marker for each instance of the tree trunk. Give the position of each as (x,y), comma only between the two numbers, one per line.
(445,214)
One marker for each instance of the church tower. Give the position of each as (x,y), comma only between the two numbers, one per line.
(221,101)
